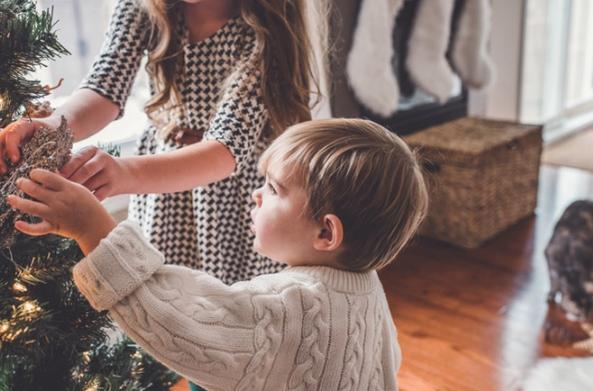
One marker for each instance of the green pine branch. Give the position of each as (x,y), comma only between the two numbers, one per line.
(50,337)
(27,40)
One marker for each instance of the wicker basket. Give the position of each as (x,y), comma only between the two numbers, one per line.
(482,175)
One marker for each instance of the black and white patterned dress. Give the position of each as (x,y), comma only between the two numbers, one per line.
(207,227)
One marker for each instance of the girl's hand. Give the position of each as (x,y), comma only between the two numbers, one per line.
(66,209)
(12,136)
(101,173)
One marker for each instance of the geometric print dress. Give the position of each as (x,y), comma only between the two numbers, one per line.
(206,228)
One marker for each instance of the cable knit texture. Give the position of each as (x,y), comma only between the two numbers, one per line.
(305,328)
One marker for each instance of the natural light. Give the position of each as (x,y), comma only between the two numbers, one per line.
(81,27)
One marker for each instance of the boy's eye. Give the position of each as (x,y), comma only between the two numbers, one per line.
(271,188)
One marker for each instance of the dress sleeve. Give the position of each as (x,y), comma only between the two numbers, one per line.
(114,70)
(219,335)
(241,115)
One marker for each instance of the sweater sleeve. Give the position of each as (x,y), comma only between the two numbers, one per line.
(220,336)
(241,115)
(114,70)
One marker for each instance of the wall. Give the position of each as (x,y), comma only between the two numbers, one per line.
(502,99)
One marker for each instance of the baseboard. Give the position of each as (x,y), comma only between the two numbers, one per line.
(557,130)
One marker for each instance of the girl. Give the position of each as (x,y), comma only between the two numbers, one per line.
(226,77)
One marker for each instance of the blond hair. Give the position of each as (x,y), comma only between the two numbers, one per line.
(362,173)
(284,53)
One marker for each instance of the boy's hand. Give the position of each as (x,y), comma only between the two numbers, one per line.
(98,171)
(66,209)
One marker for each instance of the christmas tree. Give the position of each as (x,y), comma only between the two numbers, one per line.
(50,337)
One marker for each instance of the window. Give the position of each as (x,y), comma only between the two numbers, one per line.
(557,87)
(579,72)
(81,27)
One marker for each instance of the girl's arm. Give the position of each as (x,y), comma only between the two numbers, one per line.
(227,147)
(198,164)
(195,165)
(86,111)
(105,90)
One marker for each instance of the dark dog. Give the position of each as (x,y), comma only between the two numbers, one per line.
(570,262)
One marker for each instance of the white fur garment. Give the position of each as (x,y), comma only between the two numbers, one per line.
(565,374)
(369,68)
(470,46)
(426,61)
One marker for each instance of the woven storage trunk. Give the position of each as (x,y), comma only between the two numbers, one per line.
(482,177)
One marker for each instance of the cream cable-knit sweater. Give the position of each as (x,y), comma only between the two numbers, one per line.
(305,328)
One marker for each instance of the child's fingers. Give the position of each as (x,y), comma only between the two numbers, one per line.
(15,134)
(92,167)
(102,192)
(7,136)
(29,207)
(3,165)
(35,229)
(48,179)
(78,161)
(34,190)
(96,182)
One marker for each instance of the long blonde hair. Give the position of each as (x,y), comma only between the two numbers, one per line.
(285,55)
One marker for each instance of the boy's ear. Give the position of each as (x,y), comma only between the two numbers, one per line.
(331,234)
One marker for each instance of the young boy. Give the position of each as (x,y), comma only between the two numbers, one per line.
(340,200)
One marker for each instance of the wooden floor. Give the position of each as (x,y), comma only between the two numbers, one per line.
(471,320)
